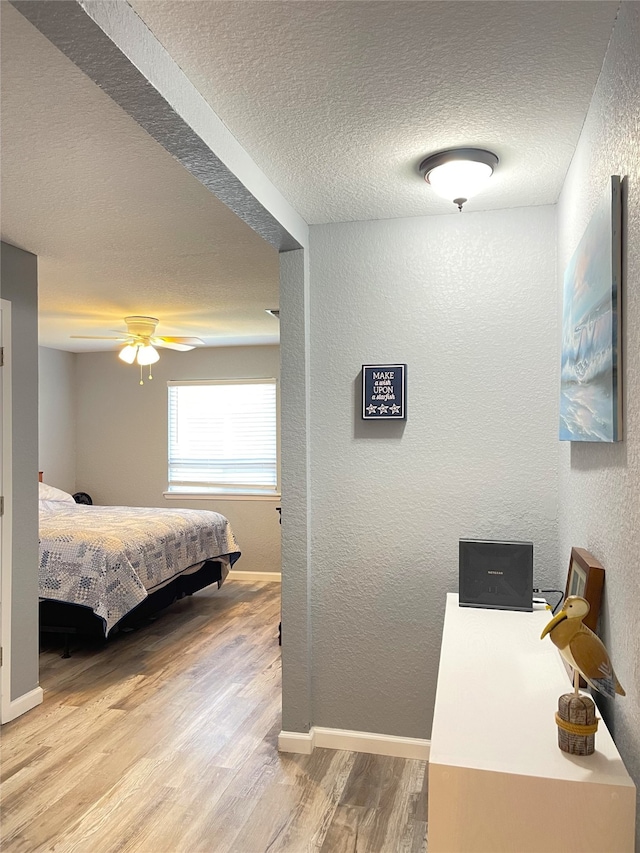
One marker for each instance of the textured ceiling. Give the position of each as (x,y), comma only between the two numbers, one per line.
(338,102)
(118,225)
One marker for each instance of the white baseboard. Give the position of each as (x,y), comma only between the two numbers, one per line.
(369,742)
(22,704)
(300,742)
(375,744)
(237,575)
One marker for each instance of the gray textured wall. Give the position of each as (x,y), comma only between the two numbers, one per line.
(19,277)
(600,484)
(122,438)
(297,713)
(469,303)
(57,418)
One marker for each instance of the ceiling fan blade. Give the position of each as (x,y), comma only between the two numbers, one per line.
(171,339)
(158,342)
(141,336)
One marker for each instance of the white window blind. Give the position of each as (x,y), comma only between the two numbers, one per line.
(223,436)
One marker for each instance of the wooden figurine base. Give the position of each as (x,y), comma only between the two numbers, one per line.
(577,724)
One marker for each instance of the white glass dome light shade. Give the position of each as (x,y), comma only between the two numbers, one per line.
(147,355)
(128,353)
(459,178)
(458,174)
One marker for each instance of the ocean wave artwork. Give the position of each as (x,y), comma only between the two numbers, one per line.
(590,397)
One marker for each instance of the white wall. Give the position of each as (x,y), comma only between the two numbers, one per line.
(122,438)
(468,302)
(600,484)
(57,418)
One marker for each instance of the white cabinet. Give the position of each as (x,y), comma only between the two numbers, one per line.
(497,781)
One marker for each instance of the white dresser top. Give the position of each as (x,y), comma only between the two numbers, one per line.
(498,689)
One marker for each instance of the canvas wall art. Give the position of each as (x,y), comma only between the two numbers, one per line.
(591,374)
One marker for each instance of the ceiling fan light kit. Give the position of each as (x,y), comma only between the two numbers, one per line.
(458,174)
(147,354)
(140,342)
(128,353)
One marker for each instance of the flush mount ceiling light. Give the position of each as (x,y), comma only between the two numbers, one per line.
(459,173)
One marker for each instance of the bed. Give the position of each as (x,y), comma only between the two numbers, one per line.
(103,568)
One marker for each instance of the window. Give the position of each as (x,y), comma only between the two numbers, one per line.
(223,437)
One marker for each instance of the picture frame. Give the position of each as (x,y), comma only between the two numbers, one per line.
(586,579)
(591,362)
(384,392)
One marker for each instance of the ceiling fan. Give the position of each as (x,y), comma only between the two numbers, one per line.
(140,342)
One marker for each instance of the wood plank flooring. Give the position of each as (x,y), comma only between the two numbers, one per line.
(164,741)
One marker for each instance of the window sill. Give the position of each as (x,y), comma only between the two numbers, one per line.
(220,496)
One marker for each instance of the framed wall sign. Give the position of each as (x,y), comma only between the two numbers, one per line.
(384,392)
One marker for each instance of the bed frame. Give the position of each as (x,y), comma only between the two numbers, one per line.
(60,617)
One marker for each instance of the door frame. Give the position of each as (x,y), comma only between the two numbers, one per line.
(6,518)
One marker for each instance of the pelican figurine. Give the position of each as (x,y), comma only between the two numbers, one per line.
(581,648)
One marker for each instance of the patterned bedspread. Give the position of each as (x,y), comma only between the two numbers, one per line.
(109,557)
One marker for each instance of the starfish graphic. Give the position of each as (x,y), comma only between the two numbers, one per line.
(371,409)
(395,409)
(383,409)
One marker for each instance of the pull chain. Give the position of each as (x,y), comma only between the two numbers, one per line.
(150,376)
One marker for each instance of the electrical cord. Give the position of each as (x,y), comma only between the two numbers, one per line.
(560,600)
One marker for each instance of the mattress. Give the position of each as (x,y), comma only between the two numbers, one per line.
(110,558)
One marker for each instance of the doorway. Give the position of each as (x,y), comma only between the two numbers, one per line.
(5,510)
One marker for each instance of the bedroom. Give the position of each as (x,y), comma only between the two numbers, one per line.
(479,452)
(180,255)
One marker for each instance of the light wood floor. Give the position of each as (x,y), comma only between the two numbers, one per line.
(165,740)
